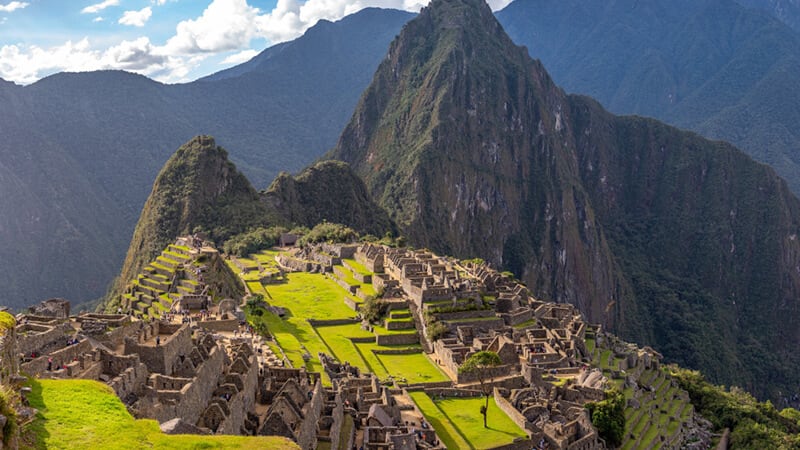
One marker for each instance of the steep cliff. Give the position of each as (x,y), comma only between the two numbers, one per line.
(669,239)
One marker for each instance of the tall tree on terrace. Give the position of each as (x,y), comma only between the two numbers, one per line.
(482,364)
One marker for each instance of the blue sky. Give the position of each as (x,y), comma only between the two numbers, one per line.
(167,40)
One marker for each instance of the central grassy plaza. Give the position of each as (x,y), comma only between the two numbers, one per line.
(316,296)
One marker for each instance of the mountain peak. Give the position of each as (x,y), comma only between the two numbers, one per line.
(198,189)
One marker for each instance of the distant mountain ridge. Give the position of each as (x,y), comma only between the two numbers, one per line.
(666,237)
(712,66)
(80,150)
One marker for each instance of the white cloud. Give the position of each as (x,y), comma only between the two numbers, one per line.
(26,65)
(13,6)
(290,18)
(98,19)
(136,18)
(238,58)
(497,5)
(158,2)
(224,26)
(97,7)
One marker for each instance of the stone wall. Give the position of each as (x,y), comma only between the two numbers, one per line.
(516,318)
(338,421)
(332,322)
(243,402)
(518,444)
(193,397)
(493,372)
(161,358)
(307,432)
(220,325)
(38,366)
(116,337)
(460,315)
(33,337)
(397,339)
(130,380)
(512,412)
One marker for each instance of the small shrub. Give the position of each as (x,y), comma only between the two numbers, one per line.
(329,232)
(436,330)
(373,309)
(8,403)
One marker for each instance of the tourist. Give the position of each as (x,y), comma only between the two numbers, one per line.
(158,341)
(49,364)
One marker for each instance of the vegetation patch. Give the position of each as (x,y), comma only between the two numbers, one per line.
(7,321)
(87,414)
(753,424)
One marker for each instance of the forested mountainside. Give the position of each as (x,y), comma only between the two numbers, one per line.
(668,238)
(712,66)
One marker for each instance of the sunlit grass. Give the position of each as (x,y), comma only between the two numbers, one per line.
(87,414)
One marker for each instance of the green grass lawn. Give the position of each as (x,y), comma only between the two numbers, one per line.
(86,414)
(459,423)
(337,338)
(415,368)
(304,296)
(311,296)
(266,258)
(358,267)
(315,296)
(292,336)
(256,287)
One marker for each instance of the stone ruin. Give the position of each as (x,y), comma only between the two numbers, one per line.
(56,308)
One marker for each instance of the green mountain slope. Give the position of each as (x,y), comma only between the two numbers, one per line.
(653,231)
(197,190)
(327,191)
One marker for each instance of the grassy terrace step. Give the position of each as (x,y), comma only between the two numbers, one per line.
(315,296)
(346,276)
(185,289)
(356,267)
(160,268)
(176,256)
(400,314)
(159,277)
(166,262)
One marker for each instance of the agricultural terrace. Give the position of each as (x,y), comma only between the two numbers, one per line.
(460,425)
(87,414)
(319,297)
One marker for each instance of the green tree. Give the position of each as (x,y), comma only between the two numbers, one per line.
(373,309)
(482,364)
(609,416)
